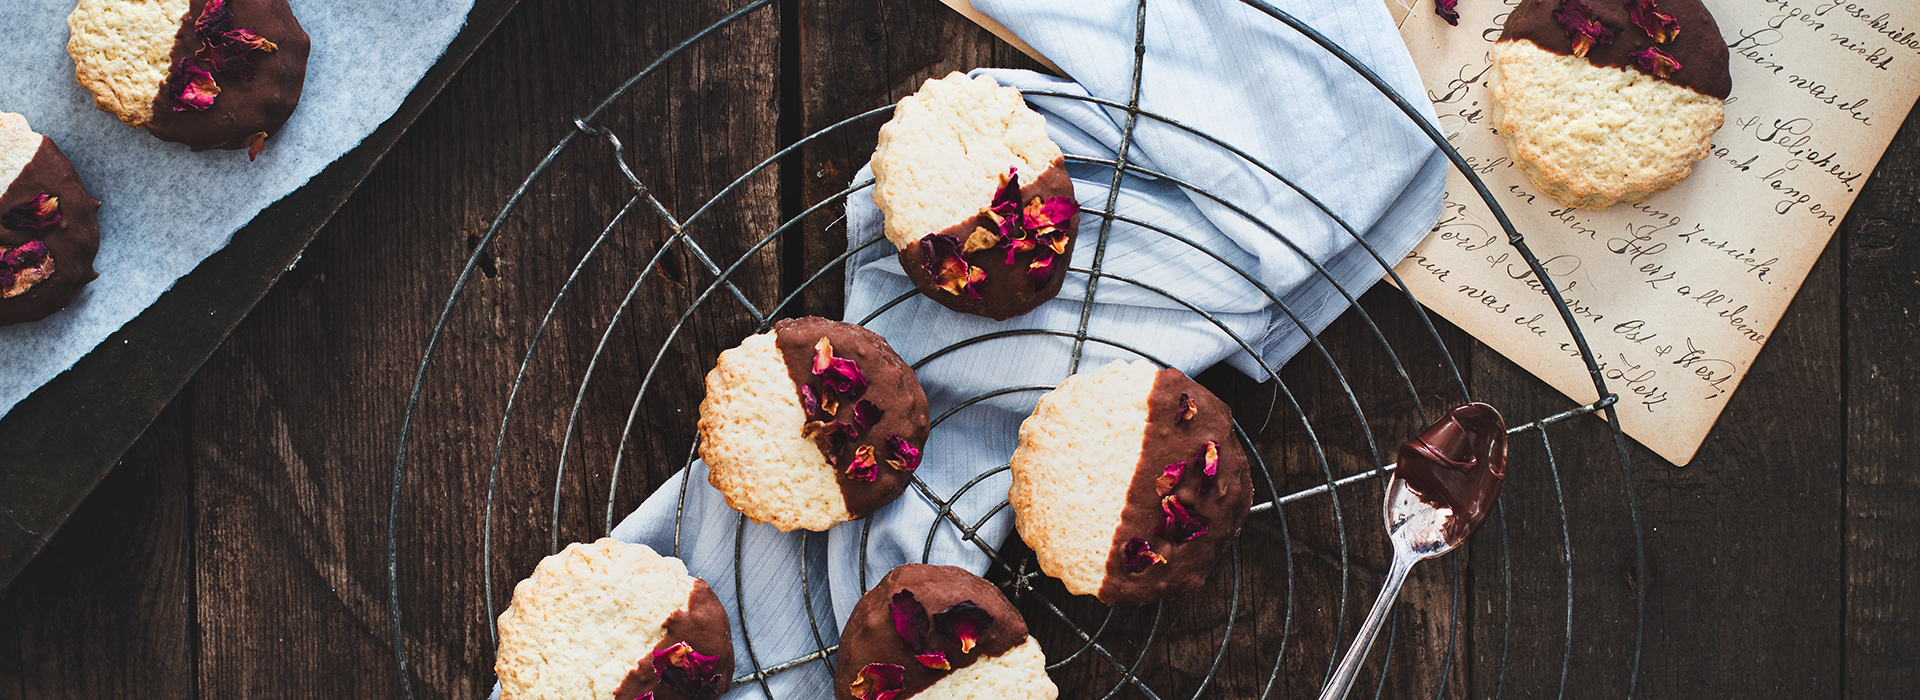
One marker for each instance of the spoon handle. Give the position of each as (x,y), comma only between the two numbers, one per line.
(1376,618)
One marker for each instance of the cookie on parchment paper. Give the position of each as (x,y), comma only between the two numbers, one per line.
(49,226)
(1129,482)
(1604,102)
(206,73)
(931,632)
(811,424)
(613,621)
(975,197)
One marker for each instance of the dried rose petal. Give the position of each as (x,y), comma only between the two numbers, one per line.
(255,144)
(1169,478)
(981,239)
(39,213)
(879,682)
(1646,15)
(1447,11)
(694,674)
(1018,245)
(1009,188)
(962,623)
(863,467)
(1042,217)
(1209,464)
(24,266)
(935,660)
(1055,239)
(831,437)
(1658,62)
(28,254)
(810,401)
(950,271)
(1138,555)
(644,696)
(866,414)
(1179,525)
(1188,409)
(909,619)
(214,19)
(1040,271)
(1576,19)
(253,42)
(905,457)
(229,58)
(192,86)
(1006,218)
(838,373)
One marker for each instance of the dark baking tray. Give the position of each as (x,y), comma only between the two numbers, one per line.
(62,439)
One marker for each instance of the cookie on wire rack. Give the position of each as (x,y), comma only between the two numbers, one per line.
(975,197)
(932,632)
(613,621)
(1603,102)
(206,73)
(49,226)
(812,424)
(1129,482)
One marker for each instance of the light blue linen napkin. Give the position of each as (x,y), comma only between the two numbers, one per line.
(1215,65)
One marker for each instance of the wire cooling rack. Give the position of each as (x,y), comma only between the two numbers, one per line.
(1087,641)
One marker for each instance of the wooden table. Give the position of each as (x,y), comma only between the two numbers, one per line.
(238,549)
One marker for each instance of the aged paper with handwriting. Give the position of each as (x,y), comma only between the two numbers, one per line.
(1676,295)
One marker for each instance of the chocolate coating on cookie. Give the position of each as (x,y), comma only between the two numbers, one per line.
(1701,51)
(1007,291)
(71,243)
(244,107)
(1171,437)
(869,636)
(891,385)
(703,626)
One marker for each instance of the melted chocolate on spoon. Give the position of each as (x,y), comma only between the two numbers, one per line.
(1459,463)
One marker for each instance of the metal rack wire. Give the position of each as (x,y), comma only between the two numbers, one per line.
(1098,641)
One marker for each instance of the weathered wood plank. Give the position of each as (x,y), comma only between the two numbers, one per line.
(107,609)
(1741,544)
(1882,419)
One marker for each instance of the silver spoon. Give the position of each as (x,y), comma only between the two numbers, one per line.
(1419,530)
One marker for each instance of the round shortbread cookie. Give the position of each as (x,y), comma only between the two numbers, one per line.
(49,226)
(613,621)
(1595,136)
(938,632)
(1621,115)
(975,197)
(206,73)
(806,435)
(1129,482)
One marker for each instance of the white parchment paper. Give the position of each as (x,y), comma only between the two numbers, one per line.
(163,208)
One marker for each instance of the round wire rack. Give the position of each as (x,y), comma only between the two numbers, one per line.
(1073,631)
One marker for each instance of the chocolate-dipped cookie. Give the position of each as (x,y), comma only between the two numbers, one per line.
(811,424)
(1129,482)
(976,197)
(613,621)
(938,632)
(49,226)
(206,73)
(1603,101)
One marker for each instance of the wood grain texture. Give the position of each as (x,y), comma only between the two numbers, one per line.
(239,551)
(1882,419)
(108,610)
